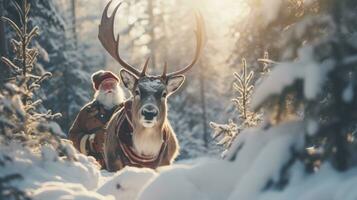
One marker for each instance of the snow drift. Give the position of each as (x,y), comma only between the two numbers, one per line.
(258,163)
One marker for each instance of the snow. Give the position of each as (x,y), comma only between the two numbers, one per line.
(257,160)
(56,129)
(55,190)
(196,181)
(42,52)
(224,134)
(45,175)
(283,75)
(327,184)
(347,94)
(261,155)
(126,183)
(268,162)
(151,85)
(312,127)
(14,103)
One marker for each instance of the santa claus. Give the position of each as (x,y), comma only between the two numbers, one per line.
(87,132)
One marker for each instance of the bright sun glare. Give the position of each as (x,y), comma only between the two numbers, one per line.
(219,16)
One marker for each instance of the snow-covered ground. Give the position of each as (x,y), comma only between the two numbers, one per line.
(260,158)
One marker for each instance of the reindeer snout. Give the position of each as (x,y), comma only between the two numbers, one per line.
(149,112)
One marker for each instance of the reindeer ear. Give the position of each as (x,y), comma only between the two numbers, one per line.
(128,79)
(174,83)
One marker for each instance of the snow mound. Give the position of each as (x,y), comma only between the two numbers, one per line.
(71,191)
(327,184)
(251,171)
(258,160)
(127,183)
(270,154)
(203,180)
(46,176)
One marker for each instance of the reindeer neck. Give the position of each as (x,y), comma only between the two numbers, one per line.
(147,141)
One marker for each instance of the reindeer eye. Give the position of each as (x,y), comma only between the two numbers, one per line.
(137,92)
(164,94)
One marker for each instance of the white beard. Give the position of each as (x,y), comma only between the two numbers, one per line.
(109,100)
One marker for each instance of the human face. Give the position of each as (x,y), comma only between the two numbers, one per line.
(108,85)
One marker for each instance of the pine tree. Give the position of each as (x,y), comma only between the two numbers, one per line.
(26,81)
(3,45)
(244,88)
(23,118)
(315,82)
(226,133)
(329,111)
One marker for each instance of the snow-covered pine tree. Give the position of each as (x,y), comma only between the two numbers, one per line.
(315,82)
(244,87)
(333,112)
(71,87)
(226,133)
(25,82)
(68,90)
(21,120)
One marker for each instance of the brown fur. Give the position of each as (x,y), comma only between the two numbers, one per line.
(88,122)
(113,159)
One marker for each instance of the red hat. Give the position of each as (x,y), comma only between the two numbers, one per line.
(99,76)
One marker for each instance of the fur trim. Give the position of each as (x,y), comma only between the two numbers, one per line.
(99,76)
(82,145)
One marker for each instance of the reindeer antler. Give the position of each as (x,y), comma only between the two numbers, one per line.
(107,38)
(199,32)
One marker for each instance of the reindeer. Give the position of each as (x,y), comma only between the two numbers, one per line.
(140,133)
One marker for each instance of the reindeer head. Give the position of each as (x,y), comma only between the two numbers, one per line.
(149,92)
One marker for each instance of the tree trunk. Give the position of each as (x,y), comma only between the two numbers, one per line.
(203,104)
(74,31)
(3,46)
(152,24)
